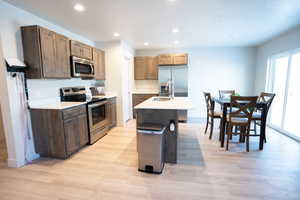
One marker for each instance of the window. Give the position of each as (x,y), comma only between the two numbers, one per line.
(284,80)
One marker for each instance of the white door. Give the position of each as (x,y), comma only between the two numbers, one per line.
(126,90)
(280,70)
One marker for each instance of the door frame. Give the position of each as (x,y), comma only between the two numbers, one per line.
(128,60)
(270,87)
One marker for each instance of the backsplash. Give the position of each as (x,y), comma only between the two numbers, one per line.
(145,86)
(45,91)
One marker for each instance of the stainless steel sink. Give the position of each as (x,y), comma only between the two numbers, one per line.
(161,98)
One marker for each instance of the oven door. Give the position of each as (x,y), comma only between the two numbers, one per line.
(97,115)
(82,67)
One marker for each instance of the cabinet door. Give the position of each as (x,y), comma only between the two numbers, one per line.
(108,113)
(63,67)
(71,127)
(140,68)
(99,62)
(83,130)
(152,68)
(180,59)
(87,52)
(76,49)
(47,39)
(81,50)
(113,114)
(165,59)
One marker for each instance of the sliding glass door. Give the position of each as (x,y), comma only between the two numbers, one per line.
(293,97)
(284,81)
(280,69)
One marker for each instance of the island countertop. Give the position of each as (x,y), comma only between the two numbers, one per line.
(177,103)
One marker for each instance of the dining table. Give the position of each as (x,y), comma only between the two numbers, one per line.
(225,104)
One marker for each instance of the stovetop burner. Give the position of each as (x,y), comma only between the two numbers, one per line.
(77,94)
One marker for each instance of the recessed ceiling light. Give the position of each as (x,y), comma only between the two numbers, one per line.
(78,7)
(175,30)
(146,43)
(117,34)
(176,42)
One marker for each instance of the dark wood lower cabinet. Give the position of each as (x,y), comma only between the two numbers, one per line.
(59,133)
(139,98)
(112,112)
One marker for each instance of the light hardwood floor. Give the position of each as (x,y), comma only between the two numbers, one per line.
(108,170)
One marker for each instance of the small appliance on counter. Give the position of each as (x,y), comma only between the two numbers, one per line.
(96,110)
(165,89)
(97,90)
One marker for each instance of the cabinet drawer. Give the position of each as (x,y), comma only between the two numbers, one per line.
(74,112)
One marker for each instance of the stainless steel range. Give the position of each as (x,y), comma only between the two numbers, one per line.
(96,109)
(97,119)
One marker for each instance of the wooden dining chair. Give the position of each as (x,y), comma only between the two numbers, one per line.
(257,114)
(211,114)
(240,116)
(223,94)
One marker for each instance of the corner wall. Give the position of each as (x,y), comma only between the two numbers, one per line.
(115,54)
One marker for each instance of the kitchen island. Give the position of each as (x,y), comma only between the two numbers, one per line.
(163,111)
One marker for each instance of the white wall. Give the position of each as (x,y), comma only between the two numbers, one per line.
(115,53)
(11,19)
(11,140)
(280,44)
(215,68)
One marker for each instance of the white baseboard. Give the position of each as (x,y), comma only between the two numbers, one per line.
(14,163)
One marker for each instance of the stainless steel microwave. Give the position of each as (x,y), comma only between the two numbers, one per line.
(82,68)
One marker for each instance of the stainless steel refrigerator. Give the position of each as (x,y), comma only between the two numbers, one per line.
(173,81)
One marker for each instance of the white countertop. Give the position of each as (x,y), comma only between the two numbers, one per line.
(177,103)
(145,92)
(58,105)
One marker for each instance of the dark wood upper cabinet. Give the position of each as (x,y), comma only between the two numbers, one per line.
(180,59)
(145,68)
(152,68)
(81,50)
(165,59)
(46,53)
(62,55)
(140,68)
(173,59)
(99,63)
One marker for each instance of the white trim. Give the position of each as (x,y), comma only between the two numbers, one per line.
(287,81)
(14,163)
